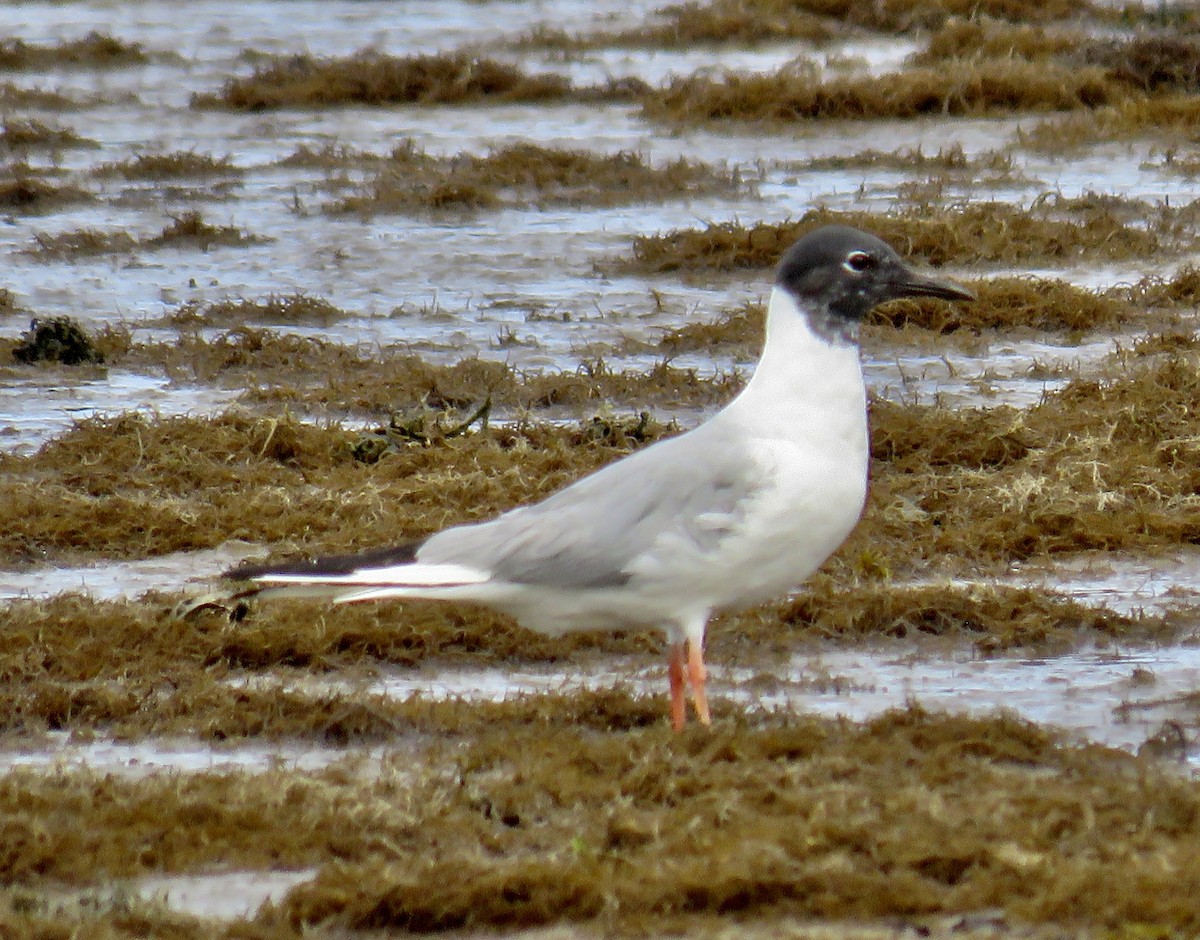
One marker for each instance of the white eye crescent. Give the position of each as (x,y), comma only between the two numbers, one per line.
(858,261)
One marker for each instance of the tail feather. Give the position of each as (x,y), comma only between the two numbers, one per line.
(415,575)
(402,554)
(341,593)
(358,595)
(374,575)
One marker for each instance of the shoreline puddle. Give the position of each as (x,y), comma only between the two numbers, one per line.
(224,895)
(36,408)
(1009,373)
(1126,584)
(111,580)
(1121,698)
(1086,693)
(57,752)
(1118,698)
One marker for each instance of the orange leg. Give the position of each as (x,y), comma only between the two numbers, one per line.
(675,669)
(697,674)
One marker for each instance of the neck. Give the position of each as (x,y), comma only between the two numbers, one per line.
(807,377)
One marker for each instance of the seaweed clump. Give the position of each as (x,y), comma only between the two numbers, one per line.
(178,484)
(718,22)
(957,88)
(973,233)
(1150,63)
(282,367)
(983,37)
(527,817)
(1015,303)
(451,78)
(27,135)
(1097,466)
(906,15)
(57,339)
(95,50)
(297,307)
(514,175)
(1008,303)
(175,165)
(25,190)
(993,618)
(82,242)
(190,230)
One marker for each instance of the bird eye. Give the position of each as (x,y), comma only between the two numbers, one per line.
(858,261)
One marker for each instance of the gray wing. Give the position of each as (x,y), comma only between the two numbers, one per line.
(588,534)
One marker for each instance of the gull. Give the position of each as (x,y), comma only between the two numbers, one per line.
(735,512)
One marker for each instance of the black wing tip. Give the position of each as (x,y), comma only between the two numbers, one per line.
(402,554)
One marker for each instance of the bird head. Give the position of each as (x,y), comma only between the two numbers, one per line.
(837,274)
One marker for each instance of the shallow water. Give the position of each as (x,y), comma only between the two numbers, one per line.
(1014,373)
(1118,697)
(36,408)
(1081,692)
(114,579)
(226,895)
(57,752)
(1127,584)
(489,269)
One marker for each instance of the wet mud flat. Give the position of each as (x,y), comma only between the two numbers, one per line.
(340,275)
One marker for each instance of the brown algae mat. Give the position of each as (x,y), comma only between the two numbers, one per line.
(1101,465)
(601,818)
(165,166)
(135,668)
(186,230)
(308,372)
(738,23)
(94,51)
(301,478)
(294,308)
(969,67)
(1004,306)
(25,135)
(983,67)
(1167,119)
(578,812)
(1052,231)
(523,174)
(957,89)
(373,79)
(25,190)
(999,165)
